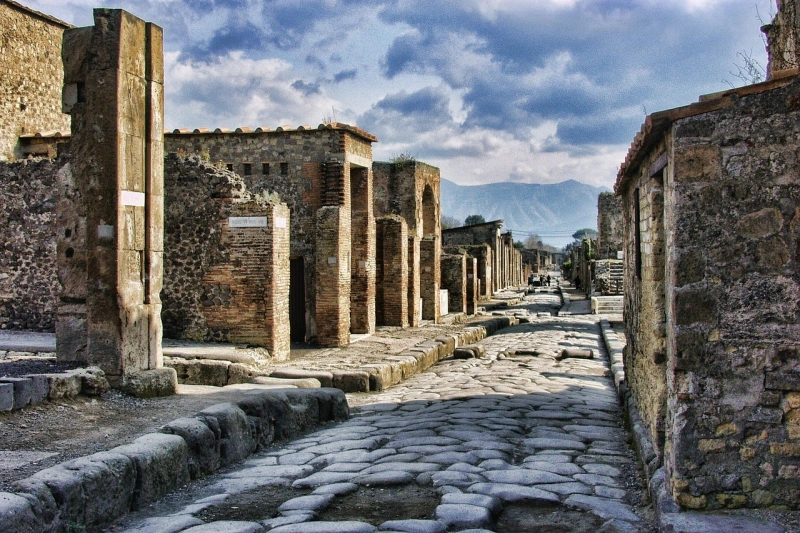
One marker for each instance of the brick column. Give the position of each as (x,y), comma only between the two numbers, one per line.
(333,277)
(392,265)
(430,275)
(113,87)
(414,268)
(362,295)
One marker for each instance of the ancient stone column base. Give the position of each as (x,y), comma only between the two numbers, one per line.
(149,383)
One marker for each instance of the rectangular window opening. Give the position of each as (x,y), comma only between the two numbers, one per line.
(265,168)
(229,166)
(284,169)
(248,169)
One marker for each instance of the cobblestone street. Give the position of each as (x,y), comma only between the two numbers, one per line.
(517,441)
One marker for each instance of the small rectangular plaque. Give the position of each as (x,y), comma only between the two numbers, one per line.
(280,222)
(620,254)
(105,232)
(132,198)
(332,261)
(247,222)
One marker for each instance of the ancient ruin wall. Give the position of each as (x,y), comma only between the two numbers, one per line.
(782,37)
(733,227)
(645,317)
(454,280)
(30,87)
(28,282)
(221,283)
(609,225)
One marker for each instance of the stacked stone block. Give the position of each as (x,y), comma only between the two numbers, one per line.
(391,300)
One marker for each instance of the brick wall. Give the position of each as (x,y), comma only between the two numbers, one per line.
(223,283)
(333,276)
(28,282)
(391,299)
(30,87)
(488,233)
(430,276)
(645,318)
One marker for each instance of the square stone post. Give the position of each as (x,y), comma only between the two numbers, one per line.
(414,303)
(430,276)
(392,257)
(113,88)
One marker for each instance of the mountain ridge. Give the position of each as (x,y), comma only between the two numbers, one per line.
(553,210)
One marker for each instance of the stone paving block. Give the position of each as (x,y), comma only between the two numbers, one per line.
(6,396)
(385,479)
(162,465)
(602,507)
(314,502)
(463,515)
(200,371)
(351,381)
(524,477)
(16,514)
(203,445)
(65,488)
(325,378)
(494,505)
(513,493)
(380,376)
(23,391)
(237,441)
(326,527)
(413,526)
(165,524)
(226,526)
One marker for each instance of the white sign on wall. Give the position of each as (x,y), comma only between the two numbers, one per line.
(280,222)
(247,222)
(132,198)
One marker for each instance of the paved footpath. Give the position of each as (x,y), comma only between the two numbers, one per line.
(517,441)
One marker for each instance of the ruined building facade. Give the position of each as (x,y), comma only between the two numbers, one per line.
(30,87)
(506,267)
(410,189)
(712,229)
(324,175)
(783,38)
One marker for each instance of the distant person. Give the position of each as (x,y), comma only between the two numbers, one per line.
(548,280)
(577,282)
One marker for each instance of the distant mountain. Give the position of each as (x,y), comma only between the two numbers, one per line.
(553,211)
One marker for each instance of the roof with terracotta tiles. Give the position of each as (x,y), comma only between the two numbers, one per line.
(656,124)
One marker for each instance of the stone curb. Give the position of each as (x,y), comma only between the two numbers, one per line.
(375,377)
(565,302)
(91,492)
(670,517)
(33,389)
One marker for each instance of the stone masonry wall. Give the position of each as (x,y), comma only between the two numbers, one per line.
(733,227)
(645,318)
(28,282)
(608,277)
(221,283)
(30,87)
(609,225)
(782,37)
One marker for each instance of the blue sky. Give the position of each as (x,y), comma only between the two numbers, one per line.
(536,91)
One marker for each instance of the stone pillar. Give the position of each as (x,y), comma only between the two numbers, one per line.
(333,277)
(391,256)
(414,303)
(473,285)
(430,276)
(111,237)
